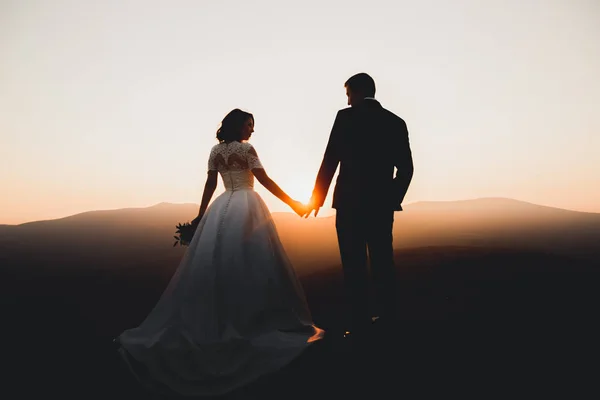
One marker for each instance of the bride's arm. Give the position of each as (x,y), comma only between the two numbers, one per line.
(271,186)
(209,189)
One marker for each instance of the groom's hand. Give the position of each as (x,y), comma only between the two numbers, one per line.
(312,205)
(310,209)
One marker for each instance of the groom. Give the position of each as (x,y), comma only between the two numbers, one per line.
(369,143)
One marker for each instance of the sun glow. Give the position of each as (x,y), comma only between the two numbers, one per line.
(97,115)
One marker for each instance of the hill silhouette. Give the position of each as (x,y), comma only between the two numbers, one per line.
(496,295)
(114,238)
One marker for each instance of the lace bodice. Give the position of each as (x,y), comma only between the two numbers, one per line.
(234,161)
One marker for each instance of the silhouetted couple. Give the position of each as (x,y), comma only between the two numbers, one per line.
(235,309)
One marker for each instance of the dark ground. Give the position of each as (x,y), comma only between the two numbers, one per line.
(474,322)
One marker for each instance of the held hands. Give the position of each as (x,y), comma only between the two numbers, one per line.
(310,207)
(299,208)
(304,210)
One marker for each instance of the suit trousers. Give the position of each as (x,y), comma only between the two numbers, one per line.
(365,237)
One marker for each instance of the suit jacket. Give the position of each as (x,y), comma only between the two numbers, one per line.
(369,143)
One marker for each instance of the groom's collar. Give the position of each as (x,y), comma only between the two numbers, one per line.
(369,102)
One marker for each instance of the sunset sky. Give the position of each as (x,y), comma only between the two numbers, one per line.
(113,104)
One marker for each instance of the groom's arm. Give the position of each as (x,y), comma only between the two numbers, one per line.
(329,165)
(404,165)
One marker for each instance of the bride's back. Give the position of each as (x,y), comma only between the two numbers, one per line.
(234,161)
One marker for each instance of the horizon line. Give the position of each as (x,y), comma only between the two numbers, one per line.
(165,203)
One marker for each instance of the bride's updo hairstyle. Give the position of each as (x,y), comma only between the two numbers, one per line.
(231,126)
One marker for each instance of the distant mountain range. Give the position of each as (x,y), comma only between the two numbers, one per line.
(131,237)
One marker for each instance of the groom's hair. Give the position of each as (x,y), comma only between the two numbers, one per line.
(361,83)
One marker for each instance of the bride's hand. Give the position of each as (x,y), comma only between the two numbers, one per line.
(299,208)
(196,220)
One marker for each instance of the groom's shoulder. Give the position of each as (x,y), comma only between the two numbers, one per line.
(345,114)
(390,113)
(393,116)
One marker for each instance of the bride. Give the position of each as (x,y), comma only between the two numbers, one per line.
(234,310)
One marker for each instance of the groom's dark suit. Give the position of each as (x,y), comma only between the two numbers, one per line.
(369,143)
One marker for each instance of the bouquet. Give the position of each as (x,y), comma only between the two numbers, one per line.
(184,233)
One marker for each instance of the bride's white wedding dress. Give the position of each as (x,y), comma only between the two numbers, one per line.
(234,309)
